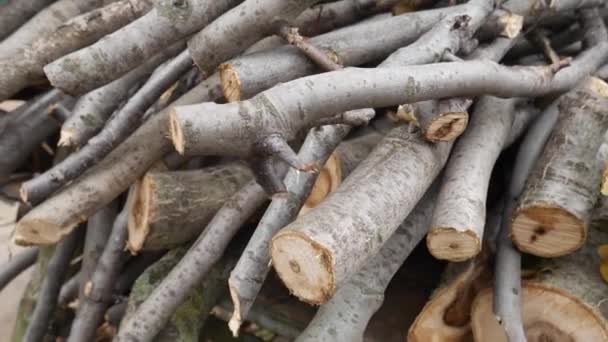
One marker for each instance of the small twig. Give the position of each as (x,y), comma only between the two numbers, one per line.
(16,265)
(319,57)
(49,292)
(98,291)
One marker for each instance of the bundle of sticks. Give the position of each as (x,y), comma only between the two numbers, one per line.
(148,159)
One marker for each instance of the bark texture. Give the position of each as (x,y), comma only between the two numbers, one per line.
(47,20)
(17,264)
(165,201)
(315,254)
(552,217)
(566,294)
(152,315)
(346,315)
(128,162)
(14,13)
(189,317)
(240,27)
(26,129)
(25,67)
(123,50)
(459,218)
(122,124)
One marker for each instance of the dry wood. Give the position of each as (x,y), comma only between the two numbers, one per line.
(316,253)
(565,301)
(152,315)
(446,316)
(120,52)
(25,67)
(14,13)
(346,315)
(459,217)
(94,108)
(17,264)
(47,20)
(122,124)
(128,162)
(189,317)
(552,216)
(166,200)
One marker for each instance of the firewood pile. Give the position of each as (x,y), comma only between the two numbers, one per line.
(193,170)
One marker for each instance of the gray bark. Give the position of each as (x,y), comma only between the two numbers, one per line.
(17,264)
(94,108)
(26,129)
(152,315)
(98,290)
(185,324)
(47,20)
(289,107)
(119,127)
(14,13)
(346,315)
(552,217)
(123,50)
(165,201)
(345,230)
(459,217)
(99,228)
(128,162)
(240,27)
(25,66)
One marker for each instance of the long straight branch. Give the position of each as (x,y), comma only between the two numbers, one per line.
(49,291)
(120,126)
(16,265)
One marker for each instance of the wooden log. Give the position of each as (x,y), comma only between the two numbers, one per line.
(186,323)
(445,317)
(564,301)
(552,217)
(458,221)
(170,208)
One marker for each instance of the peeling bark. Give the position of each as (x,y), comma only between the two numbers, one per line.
(346,315)
(166,200)
(114,174)
(241,27)
(121,125)
(118,53)
(552,217)
(25,66)
(152,315)
(189,317)
(47,20)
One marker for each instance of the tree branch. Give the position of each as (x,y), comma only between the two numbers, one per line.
(16,265)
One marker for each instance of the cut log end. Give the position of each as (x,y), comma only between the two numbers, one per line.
(38,232)
(547,231)
(452,244)
(304,266)
(139,214)
(66,138)
(177,135)
(511,25)
(447,126)
(330,176)
(549,314)
(231,84)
